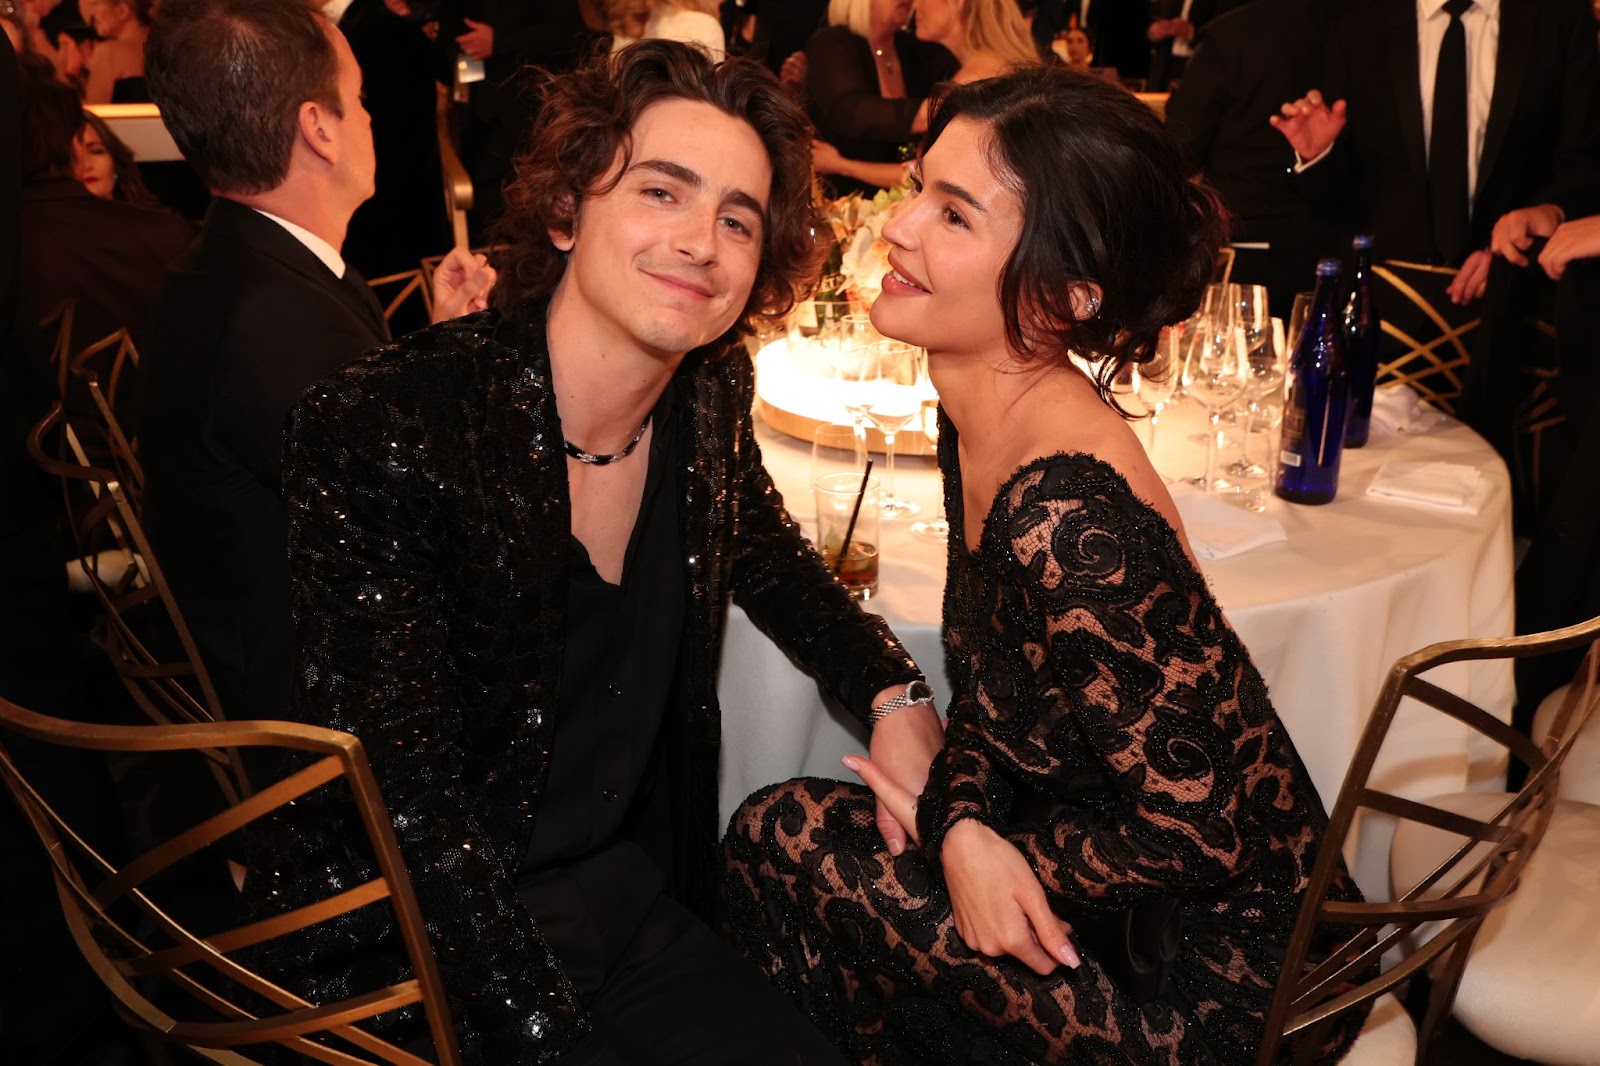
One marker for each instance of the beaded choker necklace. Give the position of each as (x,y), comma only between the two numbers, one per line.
(602,460)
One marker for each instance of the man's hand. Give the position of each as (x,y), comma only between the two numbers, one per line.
(793,74)
(1163,29)
(1578,239)
(461,284)
(478,41)
(1310,125)
(1000,907)
(902,748)
(826,159)
(1515,230)
(1471,279)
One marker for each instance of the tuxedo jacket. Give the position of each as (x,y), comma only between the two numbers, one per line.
(1542,144)
(1163,65)
(430,537)
(248,320)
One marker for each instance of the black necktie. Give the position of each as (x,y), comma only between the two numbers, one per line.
(1447,142)
(366,300)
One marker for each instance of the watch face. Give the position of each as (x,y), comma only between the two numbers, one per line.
(917,691)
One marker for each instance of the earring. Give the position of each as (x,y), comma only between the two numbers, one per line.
(1094,306)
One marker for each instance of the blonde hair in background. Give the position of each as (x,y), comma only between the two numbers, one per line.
(997,26)
(856,14)
(627,18)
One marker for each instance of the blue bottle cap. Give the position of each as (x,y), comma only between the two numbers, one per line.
(1328,268)
(1362,242)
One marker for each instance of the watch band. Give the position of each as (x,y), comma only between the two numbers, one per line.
(916,692)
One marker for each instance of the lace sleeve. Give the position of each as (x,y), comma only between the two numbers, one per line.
(961,784)
(1132,647)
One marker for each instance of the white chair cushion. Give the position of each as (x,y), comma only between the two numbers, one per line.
(1580,774)
(1389,1037)
(1532,986)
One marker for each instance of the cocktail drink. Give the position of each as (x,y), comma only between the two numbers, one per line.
(847,530)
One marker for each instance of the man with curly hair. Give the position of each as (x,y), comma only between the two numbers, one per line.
(514,538)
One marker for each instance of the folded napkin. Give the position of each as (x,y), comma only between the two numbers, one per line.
(1448,486)
(1217,529)
(1398,409)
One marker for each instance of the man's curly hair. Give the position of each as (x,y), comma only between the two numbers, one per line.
(588,116)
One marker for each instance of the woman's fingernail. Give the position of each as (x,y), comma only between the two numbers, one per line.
(1069,956)
(896,845)
(852,762)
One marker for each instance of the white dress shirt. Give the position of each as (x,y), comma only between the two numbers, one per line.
(334,10)
(316,245)
(1482,24)
(1183,47)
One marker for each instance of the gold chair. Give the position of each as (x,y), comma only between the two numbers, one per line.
(1435,337)
(57,326)
(186,987)
(457,182)
(109,441)
(1431,925)
(170,685)
(406,296)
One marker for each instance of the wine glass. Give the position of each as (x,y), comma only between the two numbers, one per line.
(853,366)
(892,401)
(938,527)
(1262,369)
(1214,376)
(1155,380)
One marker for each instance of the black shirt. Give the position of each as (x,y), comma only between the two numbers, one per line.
(586,885)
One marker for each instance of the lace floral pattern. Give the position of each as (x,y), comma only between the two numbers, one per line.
(1094,675)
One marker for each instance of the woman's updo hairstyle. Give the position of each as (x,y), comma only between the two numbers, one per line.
(1105,200)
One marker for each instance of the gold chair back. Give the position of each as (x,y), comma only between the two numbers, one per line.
(110,441)
(1431,926)
(1434,337)
(405,297)
(189,987)
(140,614)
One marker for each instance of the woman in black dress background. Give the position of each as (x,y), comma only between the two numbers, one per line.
(1110,743)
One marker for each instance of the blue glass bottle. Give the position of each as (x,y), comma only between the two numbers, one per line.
(1314,411)
(1362,330)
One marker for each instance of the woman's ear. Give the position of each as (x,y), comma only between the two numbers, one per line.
(1086,300)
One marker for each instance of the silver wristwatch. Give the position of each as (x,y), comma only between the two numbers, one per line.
(916,692)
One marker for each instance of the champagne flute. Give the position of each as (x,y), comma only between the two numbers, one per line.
(936,528)
(1155,380)
(892,402)
(1215,378)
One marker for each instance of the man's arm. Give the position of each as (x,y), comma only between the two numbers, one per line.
(369,544)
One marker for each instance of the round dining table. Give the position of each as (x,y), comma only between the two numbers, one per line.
(1351,586)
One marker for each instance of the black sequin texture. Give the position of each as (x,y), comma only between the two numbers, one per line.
(1095,675)
(429,532)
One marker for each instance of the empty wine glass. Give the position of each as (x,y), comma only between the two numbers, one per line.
(893,400)
(937,527)
(1214,376)
(1262,369)
(853,366)
(1155,380)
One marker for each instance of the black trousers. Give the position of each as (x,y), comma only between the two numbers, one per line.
(682,994)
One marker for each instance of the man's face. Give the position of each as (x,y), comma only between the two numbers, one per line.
(665,260)
(357,162)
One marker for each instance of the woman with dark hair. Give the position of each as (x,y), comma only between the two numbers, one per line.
(1112,760)
(105,166)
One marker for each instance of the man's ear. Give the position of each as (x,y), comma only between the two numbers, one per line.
(317,130)
(565,237)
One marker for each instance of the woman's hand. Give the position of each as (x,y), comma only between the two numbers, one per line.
(1000,908)
(826,159)
(903,747)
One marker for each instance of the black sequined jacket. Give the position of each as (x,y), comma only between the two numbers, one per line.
(429,532)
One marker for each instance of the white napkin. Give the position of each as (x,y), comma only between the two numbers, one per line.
(1398,409)
(1218,530)
(1448,486)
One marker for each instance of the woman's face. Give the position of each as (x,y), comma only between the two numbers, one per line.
(949,242)
(106,17)
(889,15)
(1077,46)
(937,19)
(92,163)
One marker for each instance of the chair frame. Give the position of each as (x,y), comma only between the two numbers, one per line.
(121,447)
(1449,904)
(158,686)
(89,887)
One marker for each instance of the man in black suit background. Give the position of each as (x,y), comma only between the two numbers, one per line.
(264,99)
(1175,27)
(1119,29)
(1219,114)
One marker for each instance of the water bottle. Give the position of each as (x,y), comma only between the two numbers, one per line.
(1362,329)
(1314,411)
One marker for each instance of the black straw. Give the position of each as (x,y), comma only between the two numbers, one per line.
(844,549)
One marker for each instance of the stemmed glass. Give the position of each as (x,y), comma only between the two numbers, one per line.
(938,527)
(1262,369)
(853,363)
(893,401)
(1214,376)
(1155,380)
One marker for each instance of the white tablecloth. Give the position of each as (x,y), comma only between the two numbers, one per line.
(1359,583)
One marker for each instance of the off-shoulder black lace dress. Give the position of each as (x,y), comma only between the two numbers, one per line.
(1092,669)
